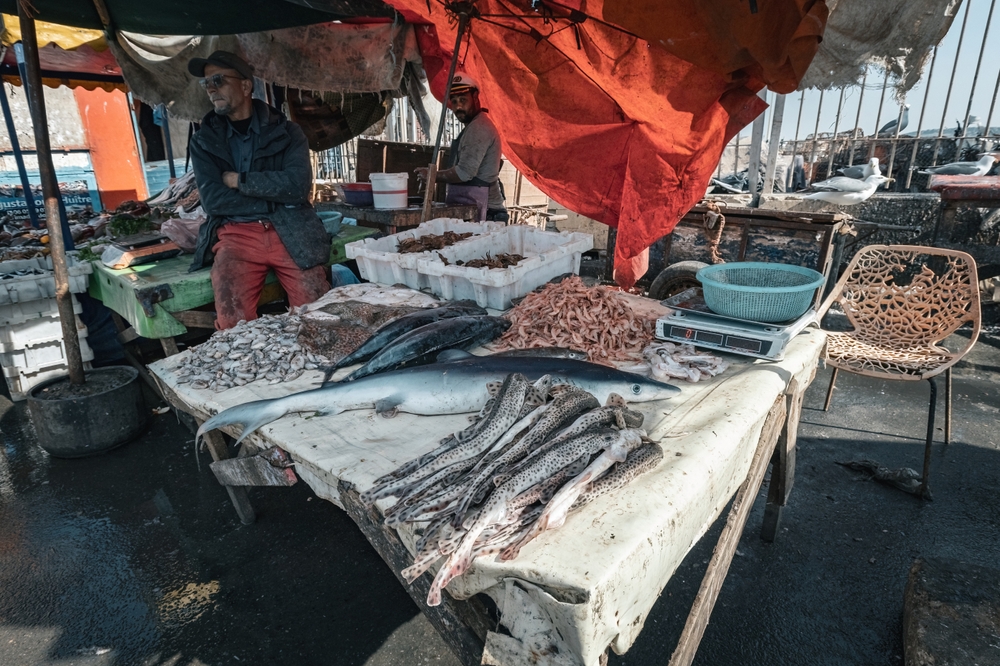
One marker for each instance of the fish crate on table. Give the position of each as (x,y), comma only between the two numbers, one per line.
(379,261)
(33,352)
(546,255)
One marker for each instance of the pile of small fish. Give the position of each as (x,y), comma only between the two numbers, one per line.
(430,242)
(668,360)
(501,260)
(596,320)
(265,348)
(534,452)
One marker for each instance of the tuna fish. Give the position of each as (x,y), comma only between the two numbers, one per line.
(458,387)
(422,345)
(397,327)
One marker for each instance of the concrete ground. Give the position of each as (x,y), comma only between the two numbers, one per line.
(136,557)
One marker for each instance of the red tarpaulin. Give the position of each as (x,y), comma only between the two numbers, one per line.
(608,124)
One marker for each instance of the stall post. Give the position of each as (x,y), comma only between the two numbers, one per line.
(50,191)
(464,10)
(15,146)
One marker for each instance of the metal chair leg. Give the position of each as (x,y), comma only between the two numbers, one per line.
(924,490)
(829,391)
(947,403)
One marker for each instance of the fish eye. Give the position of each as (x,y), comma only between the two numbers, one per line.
(636,389)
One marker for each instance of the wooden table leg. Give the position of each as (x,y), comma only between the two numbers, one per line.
(783,460)
(462,624)
(722,557)
(169,346)
(238,494)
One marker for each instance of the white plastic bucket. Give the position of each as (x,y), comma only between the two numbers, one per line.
(389,189)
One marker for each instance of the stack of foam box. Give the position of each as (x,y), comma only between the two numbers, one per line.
(31,338)
(546,255)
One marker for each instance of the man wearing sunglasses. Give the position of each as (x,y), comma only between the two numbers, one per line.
(474,174)
(254,176)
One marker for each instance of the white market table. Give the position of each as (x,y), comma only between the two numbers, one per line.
(576,591)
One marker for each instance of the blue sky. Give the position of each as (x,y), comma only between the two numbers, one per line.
(975,31)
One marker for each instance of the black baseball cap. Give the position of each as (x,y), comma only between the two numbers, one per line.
(221,59)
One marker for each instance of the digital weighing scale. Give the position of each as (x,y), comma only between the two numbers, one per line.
(692,322)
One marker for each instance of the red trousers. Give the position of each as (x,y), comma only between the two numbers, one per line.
(246,251)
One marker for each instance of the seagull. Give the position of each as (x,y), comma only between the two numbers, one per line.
(845,191)
(980,168)
(889,129)
(861,171)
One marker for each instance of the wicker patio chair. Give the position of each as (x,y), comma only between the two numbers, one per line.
(902,301)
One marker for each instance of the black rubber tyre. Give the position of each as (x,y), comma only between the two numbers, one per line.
(675,278)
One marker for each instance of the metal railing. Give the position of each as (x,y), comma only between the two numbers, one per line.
(902,150)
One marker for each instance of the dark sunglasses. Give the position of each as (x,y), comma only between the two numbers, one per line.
(216,80)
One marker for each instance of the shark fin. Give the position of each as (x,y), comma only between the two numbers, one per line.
(387,407)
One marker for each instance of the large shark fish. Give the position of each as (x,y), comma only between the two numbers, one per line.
(456,387)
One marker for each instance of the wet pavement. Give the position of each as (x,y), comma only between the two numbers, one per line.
(136,557)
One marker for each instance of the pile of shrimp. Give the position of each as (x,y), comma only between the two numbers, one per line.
(596,320)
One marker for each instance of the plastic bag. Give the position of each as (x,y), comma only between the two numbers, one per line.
(183,231)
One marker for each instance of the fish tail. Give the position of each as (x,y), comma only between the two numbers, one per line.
(250,416)
(457,563)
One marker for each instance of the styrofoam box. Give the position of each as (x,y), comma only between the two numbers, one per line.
(378,260)
(33,352)
(547,255)
(43,355)
(36,287)
(20,383)
(18,313)
(34,332)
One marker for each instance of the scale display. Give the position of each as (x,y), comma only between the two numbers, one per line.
(689,320)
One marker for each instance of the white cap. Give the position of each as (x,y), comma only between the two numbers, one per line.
(462,81)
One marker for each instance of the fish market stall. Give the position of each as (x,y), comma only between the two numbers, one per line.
(573,592)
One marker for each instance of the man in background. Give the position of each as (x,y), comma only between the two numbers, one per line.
(254,176)
(473,177)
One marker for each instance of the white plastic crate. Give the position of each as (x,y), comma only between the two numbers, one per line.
(378,260)
(18,313)
(34,332)
(25,288)
(33,352)
(547,255)
(20,383)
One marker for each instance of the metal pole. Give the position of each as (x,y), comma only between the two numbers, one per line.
(777,116)
(795,141)
(836,128)
(50,190)
(22,68)
(15,145)
(878,116)
(920,122)
(463,22)
(951,82)
(857,118)
(812,151)
(989,116)
(895,142)
(756,138)
(166,140)
(975,77)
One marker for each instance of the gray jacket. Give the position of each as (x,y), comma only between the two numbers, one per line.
(276,187)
